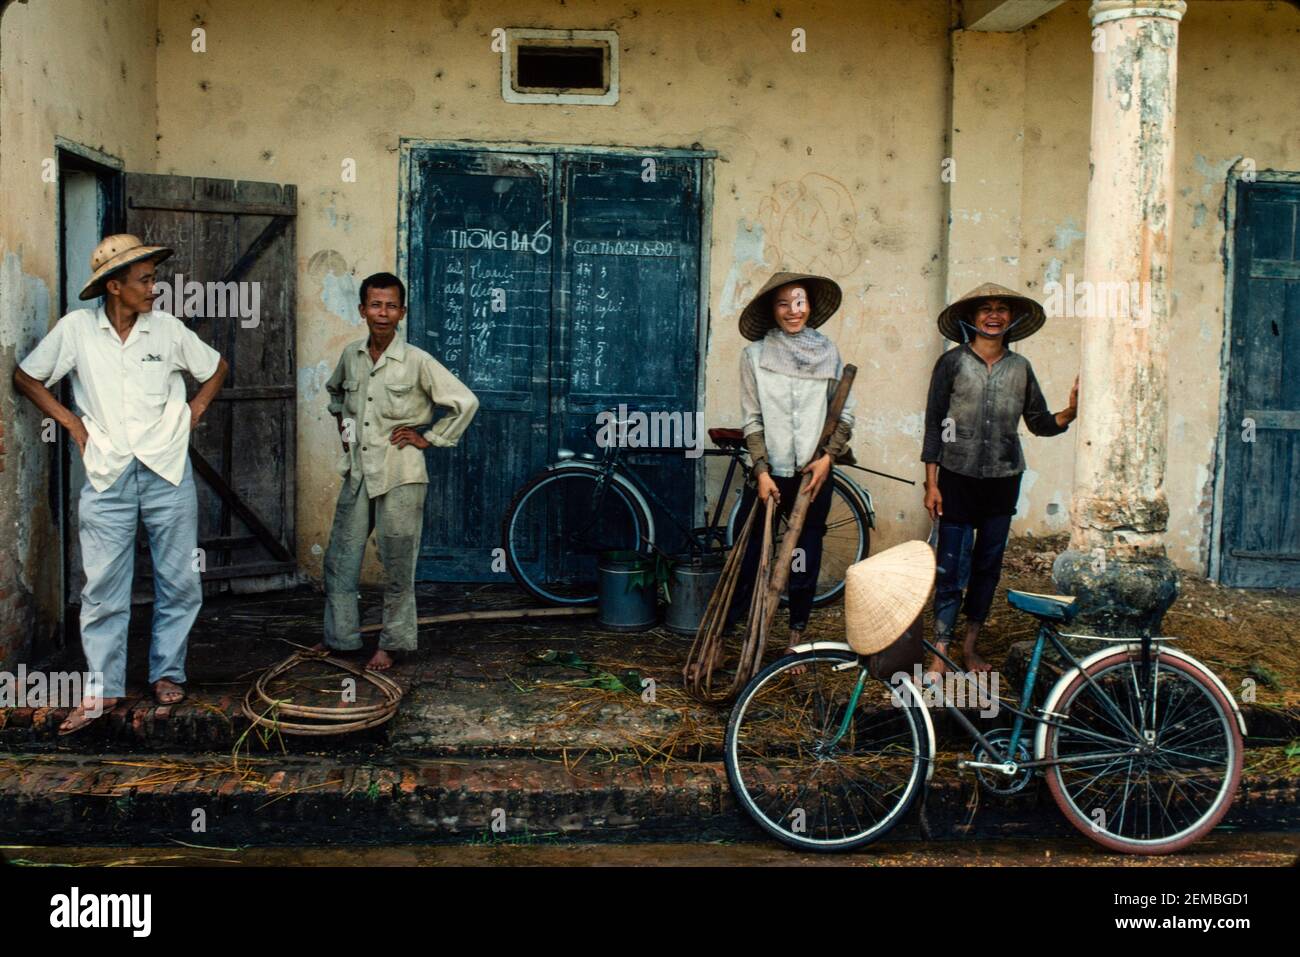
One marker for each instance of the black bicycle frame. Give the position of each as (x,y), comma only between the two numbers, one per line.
(613,463)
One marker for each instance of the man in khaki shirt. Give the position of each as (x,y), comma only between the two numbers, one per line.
(382,394)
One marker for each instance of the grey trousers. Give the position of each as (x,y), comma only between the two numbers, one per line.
(397,517)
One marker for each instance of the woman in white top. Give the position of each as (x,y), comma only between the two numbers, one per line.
(787,378)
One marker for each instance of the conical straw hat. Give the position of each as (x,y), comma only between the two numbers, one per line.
(824,295)
(1027,314)
(883,594)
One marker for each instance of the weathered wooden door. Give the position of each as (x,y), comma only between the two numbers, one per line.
(1261,510)
(630,261)
(555,284)
(479,282)
(244,451)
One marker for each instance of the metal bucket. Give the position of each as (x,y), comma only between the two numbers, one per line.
(627,597)
(690,586)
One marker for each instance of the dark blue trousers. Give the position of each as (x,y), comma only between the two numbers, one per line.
(802,587)
(969,559)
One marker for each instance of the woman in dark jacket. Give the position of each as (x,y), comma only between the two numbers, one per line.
(973,460)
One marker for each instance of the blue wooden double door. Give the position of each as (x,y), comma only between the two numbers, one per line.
(1260,546)
(555,285)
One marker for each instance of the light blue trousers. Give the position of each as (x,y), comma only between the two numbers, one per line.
(108,521)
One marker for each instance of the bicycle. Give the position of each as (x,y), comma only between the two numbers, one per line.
(1141,744)
(583,504)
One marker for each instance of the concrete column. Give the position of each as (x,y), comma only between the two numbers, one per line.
(1116,561)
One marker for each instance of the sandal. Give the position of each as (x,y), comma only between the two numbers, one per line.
(78,718)
(167,692)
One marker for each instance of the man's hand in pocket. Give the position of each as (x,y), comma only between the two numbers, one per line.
(80,436)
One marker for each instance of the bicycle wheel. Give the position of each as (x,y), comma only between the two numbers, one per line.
(847,540)
(804,785)
(557,526)
(1144,783)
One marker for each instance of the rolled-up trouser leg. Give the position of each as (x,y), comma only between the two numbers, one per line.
(171,517)
(399,520)
(106,526)
(953,560)
(353,519)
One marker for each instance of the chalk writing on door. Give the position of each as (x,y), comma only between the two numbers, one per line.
(622,247)
(596,303)
(511,240)
(497,344)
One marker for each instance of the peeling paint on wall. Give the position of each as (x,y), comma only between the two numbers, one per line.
(24,307)
(1067,234)
(311,382)
(746,258)
(339,294)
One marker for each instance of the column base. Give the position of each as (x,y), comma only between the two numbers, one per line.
(1119,599)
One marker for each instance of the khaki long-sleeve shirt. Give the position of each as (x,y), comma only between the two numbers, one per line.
(401,389)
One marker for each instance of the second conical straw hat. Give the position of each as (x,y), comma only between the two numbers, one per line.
(883,594)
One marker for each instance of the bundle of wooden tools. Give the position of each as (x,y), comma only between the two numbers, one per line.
(707,652)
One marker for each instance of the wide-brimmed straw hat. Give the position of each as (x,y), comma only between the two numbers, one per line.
(117,252)
(883,595)
(824,295)
(1027,314)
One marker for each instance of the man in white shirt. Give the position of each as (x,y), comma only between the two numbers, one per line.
(126,361)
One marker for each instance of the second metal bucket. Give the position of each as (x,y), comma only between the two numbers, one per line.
(690,586)
(628,596)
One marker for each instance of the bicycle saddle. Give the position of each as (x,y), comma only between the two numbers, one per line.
(1056,607)
(726,438)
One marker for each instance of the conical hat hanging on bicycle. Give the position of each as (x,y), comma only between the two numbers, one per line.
(883,594)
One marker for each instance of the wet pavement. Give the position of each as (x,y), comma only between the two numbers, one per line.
(1255,849)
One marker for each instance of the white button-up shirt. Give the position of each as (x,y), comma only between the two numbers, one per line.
(130,395)
(790,412)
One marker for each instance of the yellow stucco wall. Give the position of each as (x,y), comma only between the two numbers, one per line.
(828,160)
(84,71)
(1237,97)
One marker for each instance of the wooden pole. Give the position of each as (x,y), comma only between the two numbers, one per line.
(507,614)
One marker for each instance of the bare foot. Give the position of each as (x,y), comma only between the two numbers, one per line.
(974,662)
(167,692)
(83,714)
(380,661)
(936,665)
(796,638)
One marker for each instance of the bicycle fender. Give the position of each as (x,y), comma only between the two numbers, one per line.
(622,483)
(1040,736)
(860,490)
(911,689)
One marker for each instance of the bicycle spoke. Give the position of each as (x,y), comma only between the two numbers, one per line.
(781,758)
(1176,776)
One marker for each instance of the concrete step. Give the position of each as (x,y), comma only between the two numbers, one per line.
(455,720)
(69,799)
